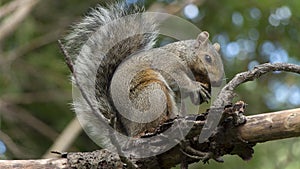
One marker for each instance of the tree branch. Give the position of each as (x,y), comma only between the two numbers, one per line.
(259,128)
(271,126)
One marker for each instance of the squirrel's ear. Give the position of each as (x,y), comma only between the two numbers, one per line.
(217,46)
(203,38)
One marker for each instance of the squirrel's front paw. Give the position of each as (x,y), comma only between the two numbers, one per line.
(200,95)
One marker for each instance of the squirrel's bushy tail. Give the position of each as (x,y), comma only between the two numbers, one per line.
(97,45)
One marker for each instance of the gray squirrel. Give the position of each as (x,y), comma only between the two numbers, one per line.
(115,41)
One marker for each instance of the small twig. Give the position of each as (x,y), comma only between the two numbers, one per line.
(68,59)
(226,95)
(70,64)
(65,139)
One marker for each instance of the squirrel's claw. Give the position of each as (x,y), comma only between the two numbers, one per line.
(200,95)
(190,152)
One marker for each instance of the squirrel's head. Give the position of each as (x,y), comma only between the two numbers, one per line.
(209,59)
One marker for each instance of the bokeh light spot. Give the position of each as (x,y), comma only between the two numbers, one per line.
(267,48)
(232,49)
(237,19)
(191,11)
(255,13)
(253,34)
(252,64)
(2,148)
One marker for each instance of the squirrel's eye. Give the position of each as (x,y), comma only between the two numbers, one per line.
(208,58)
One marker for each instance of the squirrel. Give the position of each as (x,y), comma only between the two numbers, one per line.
(112,44)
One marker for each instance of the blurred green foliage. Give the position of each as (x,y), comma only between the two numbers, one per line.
(34,79)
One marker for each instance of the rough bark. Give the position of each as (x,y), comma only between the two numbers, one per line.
(61,163)
(259,128)
(271,126)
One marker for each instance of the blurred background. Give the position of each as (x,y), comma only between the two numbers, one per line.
(35,88)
